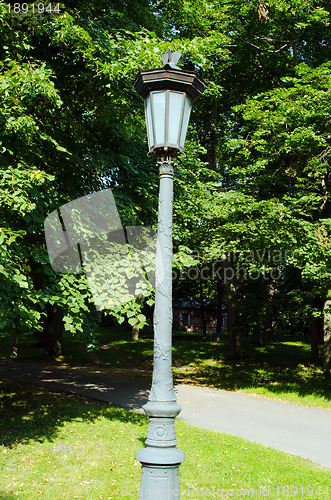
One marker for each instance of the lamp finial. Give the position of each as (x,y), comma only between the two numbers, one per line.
(171,59)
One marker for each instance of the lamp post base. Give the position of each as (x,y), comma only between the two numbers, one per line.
(160,459)
(159,482)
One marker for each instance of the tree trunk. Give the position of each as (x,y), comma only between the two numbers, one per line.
(219,314)
(327,337)
(313,329)
(257,334)
(53,331)
(270,317)
(231,298)
(202,310)
(135,331)
(13,345)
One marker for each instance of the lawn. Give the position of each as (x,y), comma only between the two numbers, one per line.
(280,369)
(58,447)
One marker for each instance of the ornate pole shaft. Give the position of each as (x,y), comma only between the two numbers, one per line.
(160,458)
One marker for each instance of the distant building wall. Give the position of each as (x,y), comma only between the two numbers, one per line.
(188,319)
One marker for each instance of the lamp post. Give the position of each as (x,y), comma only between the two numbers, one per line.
(168,94)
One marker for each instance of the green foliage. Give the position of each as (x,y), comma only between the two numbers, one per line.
(264,126)
(256,173)
(282,160)
(66,88)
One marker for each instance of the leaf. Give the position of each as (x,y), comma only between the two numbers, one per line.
(15,101)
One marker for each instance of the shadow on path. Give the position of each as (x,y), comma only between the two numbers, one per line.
(126,393)
(34,414)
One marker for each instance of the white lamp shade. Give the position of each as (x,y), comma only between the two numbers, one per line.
(167,116)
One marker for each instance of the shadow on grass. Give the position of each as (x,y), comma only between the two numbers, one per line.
(31,413)
(6,496)
(281,367)
(28,350)
(114,346)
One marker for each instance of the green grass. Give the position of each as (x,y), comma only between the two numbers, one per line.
(281,369)
(99,446)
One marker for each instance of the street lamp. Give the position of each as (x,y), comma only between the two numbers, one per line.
(169,94)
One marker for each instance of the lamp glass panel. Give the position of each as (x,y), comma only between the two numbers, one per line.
(186,117)
(175,112)
(149,122)
(159,111)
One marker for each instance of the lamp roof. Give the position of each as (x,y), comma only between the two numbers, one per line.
(170,77)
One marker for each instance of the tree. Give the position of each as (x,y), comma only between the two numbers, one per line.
(287,141)
(65,94)
(327,337)
(244,50)
(73,125)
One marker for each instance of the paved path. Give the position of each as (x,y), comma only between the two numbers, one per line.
(296,429)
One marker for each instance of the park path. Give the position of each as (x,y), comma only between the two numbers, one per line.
(293,428)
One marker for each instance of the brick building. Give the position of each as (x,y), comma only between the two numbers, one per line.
(187,316)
